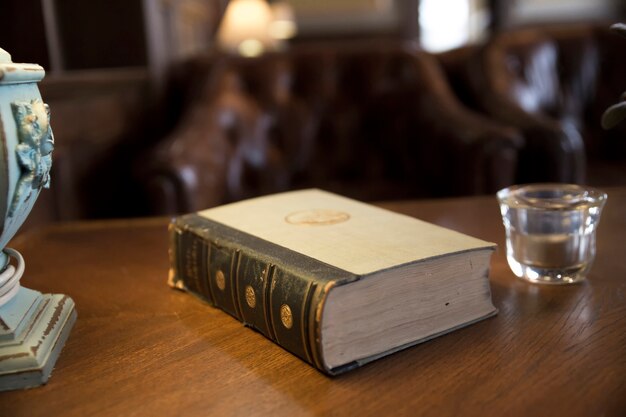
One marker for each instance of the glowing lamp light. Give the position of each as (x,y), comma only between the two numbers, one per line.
(252,27)
(244,28)
(283,25)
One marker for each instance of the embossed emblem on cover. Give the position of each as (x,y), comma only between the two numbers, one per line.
(250,297)
(285,316)
(317,217)
(220,280)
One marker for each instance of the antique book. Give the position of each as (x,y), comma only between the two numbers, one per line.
(335,281)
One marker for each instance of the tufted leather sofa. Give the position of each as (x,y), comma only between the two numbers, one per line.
(553,83)
(366,121)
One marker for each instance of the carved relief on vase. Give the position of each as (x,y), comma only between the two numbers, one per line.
(34,150)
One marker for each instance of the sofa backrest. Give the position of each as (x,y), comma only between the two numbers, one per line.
(369,122)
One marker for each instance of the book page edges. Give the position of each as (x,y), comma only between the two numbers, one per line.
(415,275)
(360,362)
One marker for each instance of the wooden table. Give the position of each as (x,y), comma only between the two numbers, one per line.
(142,349)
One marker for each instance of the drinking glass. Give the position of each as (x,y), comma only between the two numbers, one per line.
(551,230)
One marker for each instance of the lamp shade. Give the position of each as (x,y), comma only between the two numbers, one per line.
(245,28)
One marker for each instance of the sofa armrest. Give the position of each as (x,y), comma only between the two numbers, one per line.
(516,81)
(459,150)
(187,170)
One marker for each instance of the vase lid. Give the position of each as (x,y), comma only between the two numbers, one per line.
(12,73)
(5,57)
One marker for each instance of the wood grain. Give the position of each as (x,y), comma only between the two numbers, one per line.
(142,349)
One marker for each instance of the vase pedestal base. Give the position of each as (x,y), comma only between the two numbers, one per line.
(33,330)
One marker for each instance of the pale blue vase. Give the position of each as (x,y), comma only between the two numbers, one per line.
(33,326)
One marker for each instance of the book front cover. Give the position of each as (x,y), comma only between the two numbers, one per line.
(353,236)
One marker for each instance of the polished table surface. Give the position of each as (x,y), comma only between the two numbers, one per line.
(142,349)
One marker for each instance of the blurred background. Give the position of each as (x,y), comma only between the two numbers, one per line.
(71,35)
(168,106)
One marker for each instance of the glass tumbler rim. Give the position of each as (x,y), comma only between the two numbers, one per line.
(551,196)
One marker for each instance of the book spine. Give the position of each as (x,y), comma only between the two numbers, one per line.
(269,288)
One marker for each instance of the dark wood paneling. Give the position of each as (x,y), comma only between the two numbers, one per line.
(101,33)
(22,31)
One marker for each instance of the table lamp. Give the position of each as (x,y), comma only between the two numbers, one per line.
(33,326)
(253,27)
(244,28)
